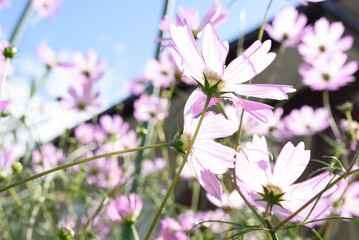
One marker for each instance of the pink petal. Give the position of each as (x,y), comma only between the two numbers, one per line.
(260,111)
(250,63)
(214,156)
(290,164)
(271,91)
(208,180)
(210,130)
(214,52)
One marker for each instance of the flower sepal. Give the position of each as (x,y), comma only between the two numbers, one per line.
(272,195)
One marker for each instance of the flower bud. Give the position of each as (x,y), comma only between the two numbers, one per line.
(16,167)
(9,52)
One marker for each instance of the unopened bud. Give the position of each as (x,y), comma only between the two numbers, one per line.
(17,167)
(9,52)
(346,107)
(142,131)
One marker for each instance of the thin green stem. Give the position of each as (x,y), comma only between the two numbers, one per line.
(134,232)
(278,64)
(261,30)
(80,162)
(20,24)
(331,119)
(195,195)
(260,218)
(179,170)
(7,65)
(351,129)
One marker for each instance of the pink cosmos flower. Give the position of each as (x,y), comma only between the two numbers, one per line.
(348,128)
(46,158)
(85,133)
(250,125)
(46,54)
(84,101)
(4,104)
(150,108)
(171,229)
(215,16)
(114,125)
(105,172)
(153,166)
(208,157)
(345,199)
(324,38)
(329,72)
(288,27)
(7,158)
(210,64)
(306,121)
(125,210)
(138,85)
(124,141)
(161,73)
(255,173)
(46,8)
(4,4)
(87,68)
(229,201)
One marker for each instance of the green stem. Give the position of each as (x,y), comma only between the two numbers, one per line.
(344,175)
(278,64)
(261,30)
(134,232)
(179,170)
(3,81)
(80,162)
(260,218)
(20,24)
(195,195)
(351,129)
(331,119)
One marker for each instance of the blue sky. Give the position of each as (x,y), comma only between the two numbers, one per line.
(122,32)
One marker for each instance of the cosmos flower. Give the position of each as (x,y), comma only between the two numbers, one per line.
(328,72)
(125,210)
(46,158)
(345,198)
(150,108)
(46,8)
(172,229)
(288,26)
(46,54)
(4,4)
(324,38)
(207,157)
(8,156)
(229,201)
(209,65)
(82,102)
(258,178)
(306,121)
(87,68)
(85,132)
(105,172)
(215,16)
(161,72)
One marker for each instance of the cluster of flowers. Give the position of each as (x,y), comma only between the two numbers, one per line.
(224,129)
